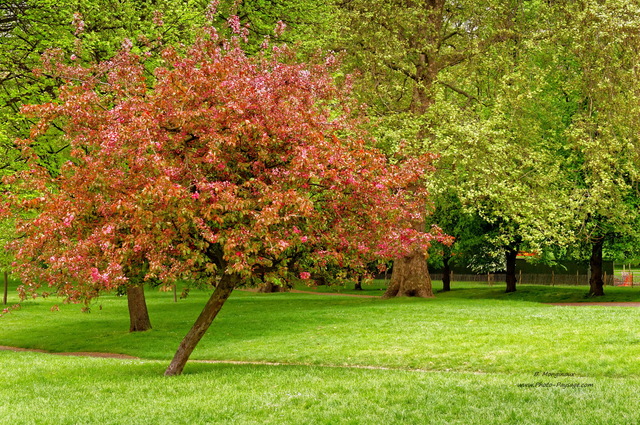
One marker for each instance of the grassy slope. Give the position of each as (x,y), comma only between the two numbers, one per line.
(477,352)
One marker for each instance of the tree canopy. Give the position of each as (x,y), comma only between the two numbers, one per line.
(220,166)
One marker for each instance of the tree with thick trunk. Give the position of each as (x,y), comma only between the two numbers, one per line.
(138,314)
(401,78)
(410,278)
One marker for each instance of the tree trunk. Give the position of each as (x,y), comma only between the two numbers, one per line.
(318,279)
(138,313)
(6,288)
(269,287)
(511,254)
(358,285)
(197,331)
(410,278)
(596,284)
(446,274)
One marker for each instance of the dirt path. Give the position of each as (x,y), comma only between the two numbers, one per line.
(78,353)
(296,291)
(239,362)
(606,304)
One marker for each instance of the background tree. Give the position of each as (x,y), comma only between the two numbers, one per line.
(598,53)
(90,31)
(499,147)
(406,52)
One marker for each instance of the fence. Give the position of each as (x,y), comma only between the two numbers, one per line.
(542,279)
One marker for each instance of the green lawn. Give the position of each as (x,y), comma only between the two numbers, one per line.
(475,290)
(469,356)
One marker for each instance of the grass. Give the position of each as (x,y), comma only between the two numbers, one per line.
(455,359)
(475,290)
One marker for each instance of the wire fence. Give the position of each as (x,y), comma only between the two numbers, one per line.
(552,279)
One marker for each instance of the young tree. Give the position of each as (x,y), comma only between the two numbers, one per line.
(221,167)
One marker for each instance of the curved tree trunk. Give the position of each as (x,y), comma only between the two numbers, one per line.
(209,312)
(511,254)
(410,278)
(138,314)
(596,284)
(446,274)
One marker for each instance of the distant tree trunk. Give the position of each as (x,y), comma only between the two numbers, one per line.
(269,287)
(138,314)
(6,288)
(446,273)
(596,284)
(211,309)
(410,278)
(319,279)
(358,285)
(511,254)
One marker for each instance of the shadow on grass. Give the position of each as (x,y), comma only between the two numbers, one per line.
(543,294)
(527,293)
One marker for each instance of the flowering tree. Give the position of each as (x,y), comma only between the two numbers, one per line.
(218,168)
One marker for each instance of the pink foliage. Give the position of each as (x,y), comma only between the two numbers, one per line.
(217,166)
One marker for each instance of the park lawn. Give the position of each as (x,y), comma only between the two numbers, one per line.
(45,389)
(442,360)
(477,290)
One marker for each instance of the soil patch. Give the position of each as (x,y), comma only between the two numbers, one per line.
(336,294)
(296,291)
(606,304)
(78,354)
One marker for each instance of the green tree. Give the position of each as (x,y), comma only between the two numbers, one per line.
(402,50)
(91,30)
(598,54)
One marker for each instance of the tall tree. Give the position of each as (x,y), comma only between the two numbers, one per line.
(404,50)
(499,147)
(598,44)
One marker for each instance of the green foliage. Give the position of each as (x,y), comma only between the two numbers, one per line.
(100,26)
(600,69)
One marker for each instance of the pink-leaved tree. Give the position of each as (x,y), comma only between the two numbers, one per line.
(218,167)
